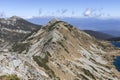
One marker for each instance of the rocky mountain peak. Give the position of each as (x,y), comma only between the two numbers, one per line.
(10,20)
(54,20)
(58,24)
(15,29)
(67,51)
(14,18)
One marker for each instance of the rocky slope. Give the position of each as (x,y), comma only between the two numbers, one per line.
(60,51)
(14,29)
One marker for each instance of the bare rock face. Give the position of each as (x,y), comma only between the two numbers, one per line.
(60,51)
(15,64)
(14,29)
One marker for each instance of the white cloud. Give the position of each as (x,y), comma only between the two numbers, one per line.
(88,12)
(97,13)
(27,17)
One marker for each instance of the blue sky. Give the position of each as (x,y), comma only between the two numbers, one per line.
(61,8)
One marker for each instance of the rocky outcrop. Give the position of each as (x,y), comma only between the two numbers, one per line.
(15,28)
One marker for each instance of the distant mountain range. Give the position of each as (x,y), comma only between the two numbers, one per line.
(114,39)
(108,26)
(113,32)
(98,35)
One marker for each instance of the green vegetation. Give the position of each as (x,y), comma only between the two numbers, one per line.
(51,27)
(65,38)
(48,41)
(19,47)
(93,68)
(36,30)
(9,77)
(63,46)
(88,73)
(43,63)
(69,26)
(83,77)
(47,53)
(66,50)
(76,79)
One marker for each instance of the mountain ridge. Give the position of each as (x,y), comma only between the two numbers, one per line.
(15,27)
(55,38)
(60,51)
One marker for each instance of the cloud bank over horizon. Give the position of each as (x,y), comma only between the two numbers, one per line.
(60,8)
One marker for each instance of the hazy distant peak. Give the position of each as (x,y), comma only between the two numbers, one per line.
(10,20)
(14,18)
